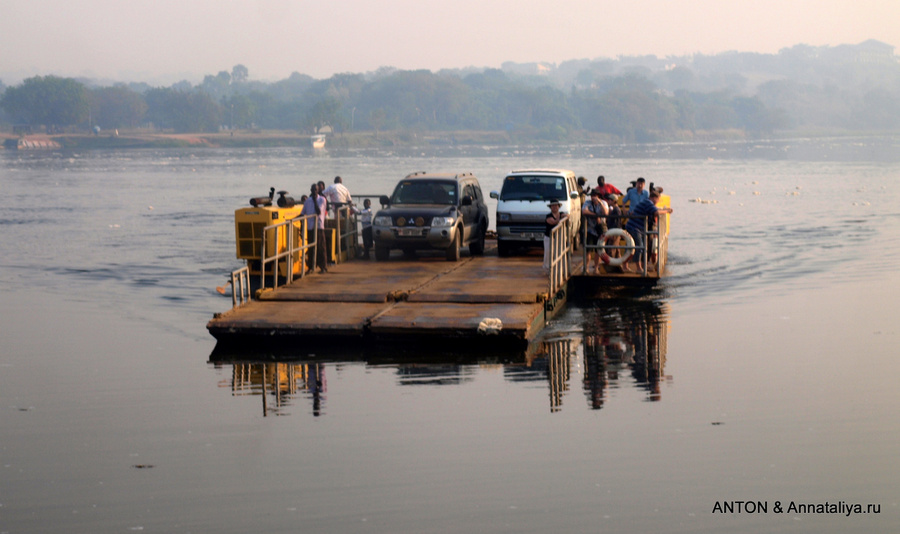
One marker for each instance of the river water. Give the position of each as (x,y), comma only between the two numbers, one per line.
(758,379)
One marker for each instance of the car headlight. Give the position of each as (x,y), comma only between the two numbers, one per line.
(383,220)
(442,222)
(503,216)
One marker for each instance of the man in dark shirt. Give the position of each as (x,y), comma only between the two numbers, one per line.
(636,216)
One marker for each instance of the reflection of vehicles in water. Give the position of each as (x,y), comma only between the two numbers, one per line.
(622,339)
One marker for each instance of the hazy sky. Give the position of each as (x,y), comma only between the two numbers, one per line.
(164,41)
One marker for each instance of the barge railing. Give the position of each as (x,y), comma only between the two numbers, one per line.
(346,221)
(240,287)
(293,233)
(660,246)
(662,243)
(349,231)
(560,247)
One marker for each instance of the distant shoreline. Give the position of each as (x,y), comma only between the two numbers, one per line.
(136,139)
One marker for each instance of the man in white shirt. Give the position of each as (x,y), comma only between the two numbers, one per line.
(337,194)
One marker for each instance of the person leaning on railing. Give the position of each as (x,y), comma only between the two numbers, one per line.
(337,195)
(552,219)
(635,226)
(316,204)
(594,213)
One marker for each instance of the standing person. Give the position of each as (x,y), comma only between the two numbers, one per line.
(635,226)
(316,203)
(605,188)
(337,194)
(633,197)
(595,213)
(582,190)
(552,219)
(320,187)
(365,216)
(614,220)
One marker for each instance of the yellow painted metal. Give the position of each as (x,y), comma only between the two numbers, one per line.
(665,201)
(249,223)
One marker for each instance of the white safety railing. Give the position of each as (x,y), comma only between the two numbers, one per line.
(240,287)
(560,247)
(290,232)
(347,232)
(656,242)
(662,243)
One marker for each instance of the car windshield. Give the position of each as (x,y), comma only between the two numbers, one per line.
(424,192)
(533,188)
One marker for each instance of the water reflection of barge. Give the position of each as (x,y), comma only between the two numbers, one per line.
(624,342)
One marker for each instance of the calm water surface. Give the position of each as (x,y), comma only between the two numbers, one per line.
(763,369)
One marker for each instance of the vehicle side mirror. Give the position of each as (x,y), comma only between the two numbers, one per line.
(466,201)
(573,194)
(495,194)
(385,200)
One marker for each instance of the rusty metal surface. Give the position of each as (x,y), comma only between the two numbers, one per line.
(459,319)
(359,298)
(310,318)
(366,281)
(488,280)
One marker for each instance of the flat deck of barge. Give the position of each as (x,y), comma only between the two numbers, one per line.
(492,300)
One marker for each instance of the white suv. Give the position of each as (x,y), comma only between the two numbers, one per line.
(522,206)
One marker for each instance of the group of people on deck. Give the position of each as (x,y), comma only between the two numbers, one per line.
(603,212)
(322,200)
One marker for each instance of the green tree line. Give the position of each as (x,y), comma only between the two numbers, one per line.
(630,99)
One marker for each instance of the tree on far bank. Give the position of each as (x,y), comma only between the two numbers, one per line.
(239,74)
(377,117)
(183,111)
(50,101)
(117,107)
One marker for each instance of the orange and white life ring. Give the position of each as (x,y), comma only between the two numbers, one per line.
(629,241)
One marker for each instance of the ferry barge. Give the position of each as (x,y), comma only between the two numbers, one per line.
(491,301)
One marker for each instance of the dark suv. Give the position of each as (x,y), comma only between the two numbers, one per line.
(432,211)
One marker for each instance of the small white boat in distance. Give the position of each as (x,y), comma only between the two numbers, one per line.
(318,141)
